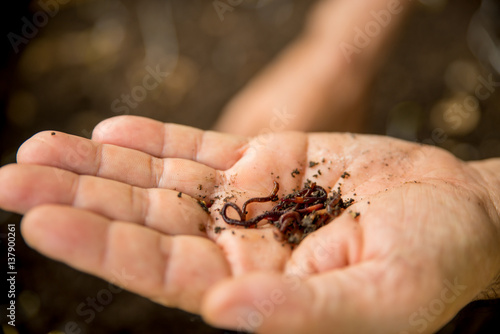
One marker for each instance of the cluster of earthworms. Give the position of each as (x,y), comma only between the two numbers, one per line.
(296,214)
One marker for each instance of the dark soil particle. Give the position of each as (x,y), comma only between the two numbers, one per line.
(312,164)
(53,133)
(205,206)
(346,175)
(295,172)
(227,198)
(348,203)
(219,229)
(179,195)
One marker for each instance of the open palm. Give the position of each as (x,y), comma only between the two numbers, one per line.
(125,206)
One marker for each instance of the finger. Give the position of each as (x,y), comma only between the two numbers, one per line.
(333,246)
(243,303)
(174,271)
(84,156)
(164,140)
(27,186)
(249,250)
(373,297)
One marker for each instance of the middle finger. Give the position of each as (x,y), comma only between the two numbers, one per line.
(27,186)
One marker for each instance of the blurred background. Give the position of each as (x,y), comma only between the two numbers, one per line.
(68,66)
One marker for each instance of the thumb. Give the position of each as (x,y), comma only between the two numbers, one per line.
(364,298)
(262,302)
(342,301)
(273,303)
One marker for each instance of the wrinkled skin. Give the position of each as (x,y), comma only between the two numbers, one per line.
(428,227)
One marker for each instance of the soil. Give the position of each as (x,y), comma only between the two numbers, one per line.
(295,215)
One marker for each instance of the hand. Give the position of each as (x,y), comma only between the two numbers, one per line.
(320,81)
(425,243)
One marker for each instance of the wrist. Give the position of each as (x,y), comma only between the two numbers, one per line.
(489,180)
(358,30)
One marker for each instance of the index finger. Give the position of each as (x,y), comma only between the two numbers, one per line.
(87,157)
(166,140)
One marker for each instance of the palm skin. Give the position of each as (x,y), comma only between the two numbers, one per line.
(112,205)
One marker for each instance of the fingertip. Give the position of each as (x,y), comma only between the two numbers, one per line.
(225,304)
(29,226)
(29,151)
(20,185)
(105,127)
(258,302)
(6,180)
(215,300)
(116,127)
(62,232)
(5,172)
(34,228)
(334,246)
